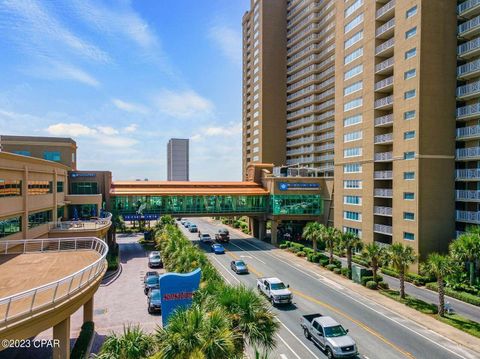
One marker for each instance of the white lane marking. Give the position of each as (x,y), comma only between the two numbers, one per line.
(258,259)
(238,281)
(286,261)
(288,346)
(283,356)
(245,257)
(331,282)
(298,339)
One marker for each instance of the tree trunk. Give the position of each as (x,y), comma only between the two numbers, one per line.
(314,242)
(441,297)
(349,261)
(401,277)
(374,270)
(472,272)
(330,249)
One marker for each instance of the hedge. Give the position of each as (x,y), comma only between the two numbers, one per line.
(382,285)
(283,246)
(300,254)
(361,261)
(79,350)
(366,279)
(331,266)
(463,296)
(324,262)
(337,270)
(371,284)
(345,272)
(416,279)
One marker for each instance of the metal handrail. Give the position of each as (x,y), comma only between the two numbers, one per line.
(81,224)
(57,288)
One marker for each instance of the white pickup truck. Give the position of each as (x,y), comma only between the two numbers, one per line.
(329,336)
(274,289)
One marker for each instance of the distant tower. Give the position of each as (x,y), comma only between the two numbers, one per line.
(177,160)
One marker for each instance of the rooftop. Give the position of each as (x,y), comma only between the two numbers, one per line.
(11,138)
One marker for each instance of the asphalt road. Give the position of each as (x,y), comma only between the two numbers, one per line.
(379,332)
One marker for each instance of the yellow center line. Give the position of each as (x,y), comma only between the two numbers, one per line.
(360,324)
(250,268)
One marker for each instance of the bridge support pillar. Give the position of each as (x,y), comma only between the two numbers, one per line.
(274,232)
(88,311)
(261,229)
(61,332)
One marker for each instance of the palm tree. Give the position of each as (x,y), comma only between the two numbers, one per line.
(197,333)
(401,257)
(348,241)
(132,344)
(330,237)
(375,255)
(312,232)
(439,266)
(467,248)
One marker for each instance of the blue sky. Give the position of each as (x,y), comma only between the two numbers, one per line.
(122,77)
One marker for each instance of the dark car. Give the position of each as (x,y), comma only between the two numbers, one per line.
(151,282)
(154,301)
(217,248)
(222,235)
(239,267)
(155,260)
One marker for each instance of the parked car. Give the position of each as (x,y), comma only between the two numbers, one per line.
(154,301)
(183,220)
(239,267)
(329,336)
(217,248)
(206,238)
(152,273)
(155,260)
(151,282)
(193,228)
(222,235)
(178,219)
(187,224)
(275,290)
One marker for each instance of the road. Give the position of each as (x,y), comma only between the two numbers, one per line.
(379,332)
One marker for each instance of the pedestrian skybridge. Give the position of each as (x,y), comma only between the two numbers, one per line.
(148,200)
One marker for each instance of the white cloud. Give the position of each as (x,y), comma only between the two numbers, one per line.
(182,104)
(131,128)
(229,41)
(129,106)
(107,130)
(66,72)
(71,130)
(231,130)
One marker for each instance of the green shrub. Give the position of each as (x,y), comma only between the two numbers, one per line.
(378,278)
(463,296)
(382,285)
(331,267)
(324,262)
(283,246)
(389,271)
(301,254)
(337,263)
(360,261)
(337,270)
(366,279)
(298,246)
(308,250)
(345,272)
(371,284)
(416,279)
(79,350)
(288,243)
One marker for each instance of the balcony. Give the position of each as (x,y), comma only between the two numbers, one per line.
(467,196)
(468,112)
(470,174)
(382,211)
(97,227)
(384,66)
(385,11)
(384,139)
(327,157)
(468,91)
(470,153)
(383,175)
(470,28)
(384,85)
(469,49)
(324,147)
(386,48)
(469,8)
(300,151)
(468,216)
(468,70)
(382,229)
(384,156)
(386,30)
(384,103)
(383,192)
(468,133)
(384,121)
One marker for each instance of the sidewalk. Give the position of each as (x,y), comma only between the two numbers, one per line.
(423,320)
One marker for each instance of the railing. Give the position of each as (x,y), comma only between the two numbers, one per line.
(49,294)
(385,45)
(383,156)
(387,137)
(383,120)
(470,152)
(311,119)
(383,211)
(378,175)
(385,64)
(469,110)
(384,9)
(467,5)
(327,157)
(469,67)
(300,151)
(81,225)
(468,89)
(382,228)
(324,147)
(467,132)
(473,173)
(383,192)
(466,26)
(468,46)
(384,83)
(468,216)
(385,27)
(467,195)
(384,101)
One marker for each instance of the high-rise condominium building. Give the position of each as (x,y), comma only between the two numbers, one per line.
(369,97)
(177,160)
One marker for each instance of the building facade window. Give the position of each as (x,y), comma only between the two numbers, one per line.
(39,187)
(356,21)
(408,236)
(352,184)
(410,12)
(255,158)
(408,176)
(352,216)
(84,188)
(352,152)
(354,71)
(354,39)
(52,156)
(410,53)
(409,94)
(354,200)
(353,55)
(409,135)
(10,188)
(411,33)
(352,120)
(408,115)
(356,231)
(256,149)
(39,218)
(410,74)
(357,86)
(410,155)
(409,196)
(352,168)
(9,226)
(59,186)
(23,153)
(351,9)
(355,103)
(408,216)
(352,136)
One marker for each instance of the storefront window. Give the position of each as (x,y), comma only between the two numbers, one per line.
(39,218)
(84,188)
(9,226)
(308,204)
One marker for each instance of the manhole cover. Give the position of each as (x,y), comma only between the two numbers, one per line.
(100,311)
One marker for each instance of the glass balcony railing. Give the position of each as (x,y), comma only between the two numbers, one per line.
(324,147)
(383,192)
(383,102)
(382,211)
(390,24)
(467,195)
(469,111)
(469,48)
(468,26)
(469,90)
(385,9)
(384,83)
(384,120)
(383,156)
(327,157)
(382,228)
(467,153)
(468,6)
(469,68)
(468,132)
(385,138)
(468,216)
(384,65)
(383,175)
(468,174)
(385,46)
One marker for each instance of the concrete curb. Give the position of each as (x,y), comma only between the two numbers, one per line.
(112,277)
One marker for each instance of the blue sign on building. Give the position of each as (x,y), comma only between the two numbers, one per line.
(285,186)
(76,174)
(140,217)
(176,291)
